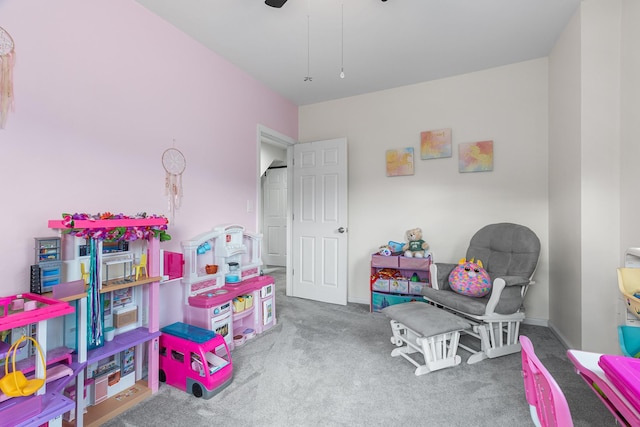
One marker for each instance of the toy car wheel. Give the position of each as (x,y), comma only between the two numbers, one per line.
(196,390)
(162,376)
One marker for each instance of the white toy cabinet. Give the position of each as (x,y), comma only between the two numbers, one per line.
(234,252)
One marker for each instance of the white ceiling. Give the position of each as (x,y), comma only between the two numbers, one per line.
(381,44)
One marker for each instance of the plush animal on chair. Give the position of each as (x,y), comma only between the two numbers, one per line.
(415,246)
(470,278)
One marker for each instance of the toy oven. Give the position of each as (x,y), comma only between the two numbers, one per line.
(222,323)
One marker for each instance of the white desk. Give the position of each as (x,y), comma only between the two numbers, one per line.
(587,366)
(118,258)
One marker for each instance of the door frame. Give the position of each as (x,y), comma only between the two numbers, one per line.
(272,137)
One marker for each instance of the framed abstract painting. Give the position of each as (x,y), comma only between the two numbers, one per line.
(400,161)
(435,144)
(475,156)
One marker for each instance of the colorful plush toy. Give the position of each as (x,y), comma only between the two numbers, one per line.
(384,250)
(470,278)
(415,246)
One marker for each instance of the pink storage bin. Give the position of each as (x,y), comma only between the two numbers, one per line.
(415,263)
(384,261)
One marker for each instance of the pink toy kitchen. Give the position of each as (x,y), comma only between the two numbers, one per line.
(224,291)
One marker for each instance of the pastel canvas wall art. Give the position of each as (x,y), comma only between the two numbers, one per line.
(435,144)
(400,162)
(475,156)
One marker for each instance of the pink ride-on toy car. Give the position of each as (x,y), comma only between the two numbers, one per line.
(194,360)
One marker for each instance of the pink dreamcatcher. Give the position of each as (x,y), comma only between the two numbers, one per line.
(7,60)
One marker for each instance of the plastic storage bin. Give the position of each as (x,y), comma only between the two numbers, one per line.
(629,337)
(629,285)
(381,300)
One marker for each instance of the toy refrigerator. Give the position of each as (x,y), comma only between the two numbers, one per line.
(267,307)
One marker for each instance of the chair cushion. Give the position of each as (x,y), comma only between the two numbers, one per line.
(506,249)
(509,303)
(425,319)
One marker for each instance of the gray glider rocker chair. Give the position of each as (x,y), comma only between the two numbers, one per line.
(509,253)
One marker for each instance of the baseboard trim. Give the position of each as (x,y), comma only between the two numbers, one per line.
(567,344)
(536,322)
(359,301)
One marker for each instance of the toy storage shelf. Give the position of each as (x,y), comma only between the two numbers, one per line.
(391,279)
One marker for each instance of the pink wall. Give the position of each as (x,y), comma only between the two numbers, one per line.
(101,90)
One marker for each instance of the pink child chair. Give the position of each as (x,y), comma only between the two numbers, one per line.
(546,400)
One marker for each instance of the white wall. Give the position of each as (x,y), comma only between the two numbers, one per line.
(506,104)
(101,90)
(594,88)
(565,239)
(630,125)
(600,174)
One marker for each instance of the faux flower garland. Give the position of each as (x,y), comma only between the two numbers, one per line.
(115,233)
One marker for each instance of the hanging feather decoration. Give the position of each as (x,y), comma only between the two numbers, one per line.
(7,61)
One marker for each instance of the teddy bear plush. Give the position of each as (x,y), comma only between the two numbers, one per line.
(415,246)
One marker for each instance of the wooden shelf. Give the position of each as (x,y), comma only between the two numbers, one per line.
(112,285)
(115,284)
(99,414)
(66,299)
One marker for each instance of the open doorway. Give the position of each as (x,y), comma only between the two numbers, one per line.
(274,195)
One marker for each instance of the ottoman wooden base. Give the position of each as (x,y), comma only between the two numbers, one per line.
(421,328)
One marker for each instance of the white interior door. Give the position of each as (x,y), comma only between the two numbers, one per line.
(319,235)
(274,223)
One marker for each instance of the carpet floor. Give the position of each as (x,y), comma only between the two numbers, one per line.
(328,365)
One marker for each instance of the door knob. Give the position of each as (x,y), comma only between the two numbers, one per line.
(341,230)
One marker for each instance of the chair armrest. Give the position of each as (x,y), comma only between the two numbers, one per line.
(499,283)
(515,280)
(439,275)
(496,291)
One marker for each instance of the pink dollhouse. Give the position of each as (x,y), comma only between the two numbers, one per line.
(112,373)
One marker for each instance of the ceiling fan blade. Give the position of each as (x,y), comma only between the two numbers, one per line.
(275,3)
